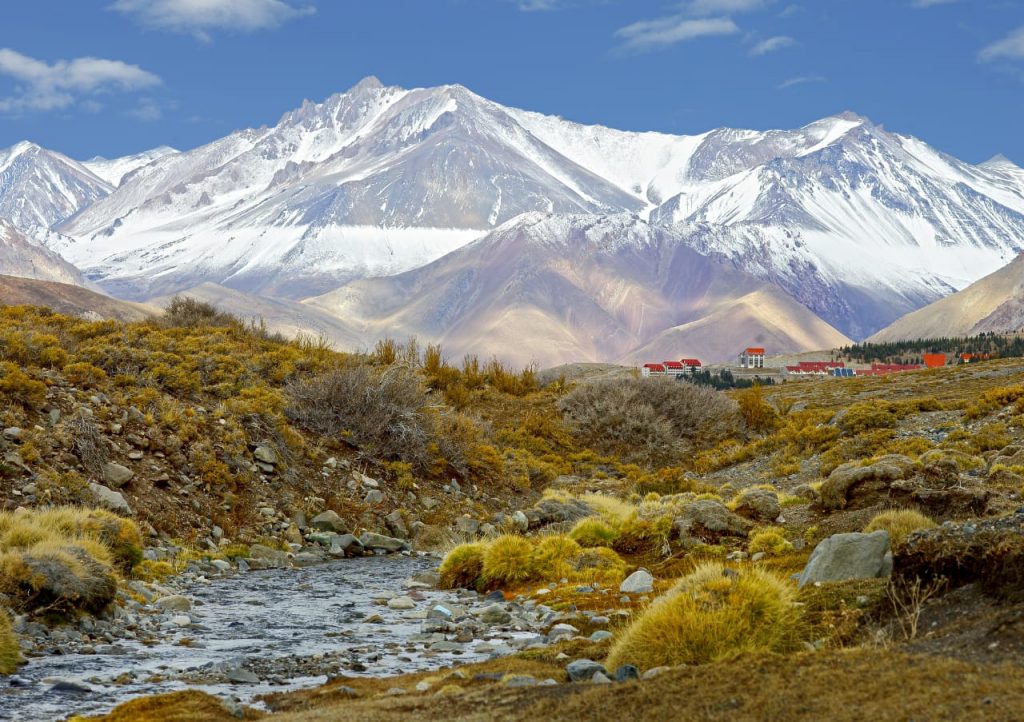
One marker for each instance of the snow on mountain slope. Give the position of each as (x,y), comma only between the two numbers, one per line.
(863,227)
(995,303)
(113,170)
(40,187)
(270,209)
(24,258)
(859,224)
(554,288)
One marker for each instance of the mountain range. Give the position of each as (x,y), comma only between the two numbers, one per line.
(438,212)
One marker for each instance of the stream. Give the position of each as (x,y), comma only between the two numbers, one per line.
(285,628)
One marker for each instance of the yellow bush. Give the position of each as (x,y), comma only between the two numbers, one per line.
(10,651)
(594,532)
(462,566)
(598,565)
(507,560)
(639,535)
(551,555)
(711,615)
(757,413)
(19,387)
(771,541)
(900,523)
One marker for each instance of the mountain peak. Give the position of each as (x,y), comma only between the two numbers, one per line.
(370,82)
(999,161)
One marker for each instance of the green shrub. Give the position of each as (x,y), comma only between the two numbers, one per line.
(507,560)
(900,523)
(594,532)
(771,541)
(462,566)
(10,651)
(550,557)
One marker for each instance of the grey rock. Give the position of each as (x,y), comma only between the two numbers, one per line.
(600,635)
(600,678)
(109,498)
(116,475)
(520,521)
(520,680)
(709,520)
(266,454)
(494,614)
(582,670)
(758,504)
(626,673)
(401,603)
(13,433)
(329,521)
(654,672)
(173,603)
(240,675)
(849,556)
(396,524)
(467,525)
(373,541)
(639,582)
(374,496)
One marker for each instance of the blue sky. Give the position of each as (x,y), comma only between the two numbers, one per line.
(117,76)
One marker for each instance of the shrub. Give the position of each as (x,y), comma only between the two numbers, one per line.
(10,651)
(758,414)
(867,415)
(771,541)
(192,313)
(900,523)
(462,566)
(711,615)
(648,420)
(381,412)
(594,532)
(643,535)
(551,555)
(598,565)
(19,387)
(507,560)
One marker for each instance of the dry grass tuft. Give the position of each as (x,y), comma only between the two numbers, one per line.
(10,652)
(900,523)
(507,560)
(594,532)
(463,566)
(711,615)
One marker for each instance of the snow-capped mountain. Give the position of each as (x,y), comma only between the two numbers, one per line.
(558,288)
(859,224)
(39,187)
(113,170)
(25,258)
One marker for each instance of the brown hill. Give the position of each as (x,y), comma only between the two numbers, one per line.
(68,299)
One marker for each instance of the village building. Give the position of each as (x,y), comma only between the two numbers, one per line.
(683,367)
(752,358)
(652,370)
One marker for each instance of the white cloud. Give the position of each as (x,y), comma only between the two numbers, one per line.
(199,17)
(931,3)
(1011,47)
(534,5)
(662,32)
(801,80)
(148,110)
(44,86)
(770,45)
(705,8)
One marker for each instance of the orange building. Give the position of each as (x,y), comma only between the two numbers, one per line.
(934,360)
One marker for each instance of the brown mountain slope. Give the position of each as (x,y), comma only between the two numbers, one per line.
(68,299)
(995,303)
(19,256)
(561,288)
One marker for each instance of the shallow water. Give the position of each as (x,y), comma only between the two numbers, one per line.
(261,616)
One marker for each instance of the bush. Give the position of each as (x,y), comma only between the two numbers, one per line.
(187,312)
(594,532)
(19,387)
(867,415)
(10,651)
(900,523)
(598,565)
(648,420)
(462,567)
(380,412)
(507,560)
(771,541)
(757,413)
(551,555)
(711,615)
(639,535)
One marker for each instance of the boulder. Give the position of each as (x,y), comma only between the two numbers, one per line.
(758,505)
(374,497)
(67,580)
(639,582)
(396,524)
(173,603)
(266,454)
(849,556)
(265,556)
(329,521)
(345,544)
(109,498)
(520,522)
(494,614)
(582,670)
(707,520)
(116,475)
(375,542)
(402,603)
(556,511)
(467,525)
(856,485)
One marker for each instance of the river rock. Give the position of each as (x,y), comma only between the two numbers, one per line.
(707,520)
(345,544)
(582,670)
(467,525)
(116,475)
(396,524)
(373,541)
(849,556)
(330,521)
(639,582)
(401,603)
(109,498)
(173,603)
(494,614)
(374,497)
(626,672)
(261,556)
(241,675)
(520,521)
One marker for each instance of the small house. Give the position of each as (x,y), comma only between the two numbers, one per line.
(652,370)
(752,358)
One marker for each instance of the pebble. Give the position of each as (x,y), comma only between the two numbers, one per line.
(402,602)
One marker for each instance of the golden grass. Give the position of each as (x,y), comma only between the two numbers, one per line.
(710,615)
(594,532)
(462,566)
(507,560)
(900,523)
(10,652)
(551,556)
(772,541)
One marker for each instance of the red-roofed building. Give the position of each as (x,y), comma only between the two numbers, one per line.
(934,360)
(674,367)
(752,358)
(814,368)
(653,370)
